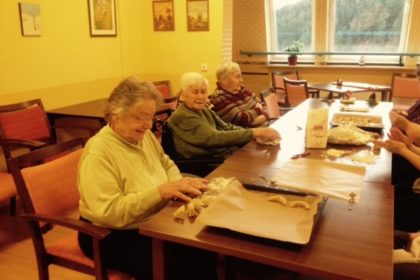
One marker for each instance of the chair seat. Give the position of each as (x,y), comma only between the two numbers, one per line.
(7,185)
(68,248)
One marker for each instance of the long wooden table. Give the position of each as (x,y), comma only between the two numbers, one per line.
(346,244)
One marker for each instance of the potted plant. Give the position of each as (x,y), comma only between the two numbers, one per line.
(294,49)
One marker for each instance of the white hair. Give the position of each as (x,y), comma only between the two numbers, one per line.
(225,69)
(192,79)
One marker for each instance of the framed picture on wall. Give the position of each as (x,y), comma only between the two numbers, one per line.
(30,19)
(198,15)
(102,18)
(163,16)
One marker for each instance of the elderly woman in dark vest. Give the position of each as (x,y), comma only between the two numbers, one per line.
(233,102)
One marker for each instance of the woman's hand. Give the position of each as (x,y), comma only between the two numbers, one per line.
(394,146)
(259,121)
(397,135)
(411,238)
(184,188)
(266,133)
(398,120)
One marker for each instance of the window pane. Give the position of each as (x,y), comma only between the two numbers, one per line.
(291,20)
(369,26)
(294,23)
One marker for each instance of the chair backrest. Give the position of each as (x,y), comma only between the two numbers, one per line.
(296,91)
(48,186)
(277,78)
(164,87)
(170,103)
(25,121)
(405,86)
(270,100)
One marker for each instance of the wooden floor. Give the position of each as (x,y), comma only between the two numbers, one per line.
(17,256)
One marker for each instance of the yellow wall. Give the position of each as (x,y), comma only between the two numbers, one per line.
(170,54)
(66,66)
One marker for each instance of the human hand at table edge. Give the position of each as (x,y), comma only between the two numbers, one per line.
(394,146)
(259,121)
(184,188)
(266,133)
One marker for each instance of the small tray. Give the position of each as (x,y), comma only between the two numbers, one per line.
(361,120)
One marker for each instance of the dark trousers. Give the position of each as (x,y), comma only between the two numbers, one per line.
(123,250)
(130,252)
(406,208)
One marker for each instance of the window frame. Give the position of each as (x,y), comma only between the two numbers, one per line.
(271,37)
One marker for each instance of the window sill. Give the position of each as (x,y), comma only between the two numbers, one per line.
(335,66)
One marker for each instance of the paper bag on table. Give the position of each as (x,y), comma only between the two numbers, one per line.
(317,128)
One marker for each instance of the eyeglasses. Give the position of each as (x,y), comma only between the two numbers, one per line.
(142,117)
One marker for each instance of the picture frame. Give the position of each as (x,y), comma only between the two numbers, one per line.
(30,19)
(102,18)
(198,15)
(163,16)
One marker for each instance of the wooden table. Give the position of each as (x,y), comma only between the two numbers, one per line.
(95,109)
(353,87)
(346,244)
(91,109)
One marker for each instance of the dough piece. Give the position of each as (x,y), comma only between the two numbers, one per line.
(278,198)
(263,141)
(283,201)
(334,153)
(298,203)
(180,212)
(349,135)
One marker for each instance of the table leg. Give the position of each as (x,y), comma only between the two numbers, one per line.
(330,95)
(385,95)
(158,259)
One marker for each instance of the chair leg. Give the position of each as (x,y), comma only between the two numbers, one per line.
(12,206)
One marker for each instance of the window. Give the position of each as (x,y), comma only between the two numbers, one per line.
(290,20)
(353,26)
(377,26)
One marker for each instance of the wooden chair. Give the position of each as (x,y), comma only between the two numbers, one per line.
(22,125)
(169,105)
(272,108)
(405,89)
(277,81)
(278,84)
(49,195)
(296,91)
(164,87)
(25,125)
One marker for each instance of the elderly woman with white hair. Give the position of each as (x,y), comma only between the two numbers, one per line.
(125,178)
(232,101)
(200,132)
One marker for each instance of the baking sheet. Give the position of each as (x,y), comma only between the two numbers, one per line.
(250,212)
(362,120)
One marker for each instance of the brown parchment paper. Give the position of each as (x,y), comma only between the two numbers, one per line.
(319,176)
(250,212)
